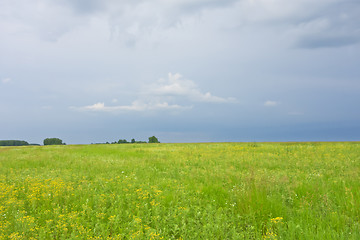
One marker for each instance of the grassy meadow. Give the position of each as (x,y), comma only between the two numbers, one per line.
(181,191)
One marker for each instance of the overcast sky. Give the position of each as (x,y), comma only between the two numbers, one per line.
(91,71)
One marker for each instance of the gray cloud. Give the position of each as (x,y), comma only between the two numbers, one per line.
(85,6)
(128,20)
(194,6)
(132,21)
(48,20)
(322,41)
(337,25)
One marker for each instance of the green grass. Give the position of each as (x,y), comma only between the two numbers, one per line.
(181,191)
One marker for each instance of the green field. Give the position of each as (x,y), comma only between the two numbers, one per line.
(181,191)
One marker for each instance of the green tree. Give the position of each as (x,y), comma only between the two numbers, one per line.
(153,139)
(53,141)
(133,140)
(122,141)
(13,143)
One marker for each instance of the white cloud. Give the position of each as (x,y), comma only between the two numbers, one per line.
(6,80)
(165,94)
(271,103)
(176,86)
(135,106)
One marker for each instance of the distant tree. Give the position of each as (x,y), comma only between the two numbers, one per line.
(153,139)
(122,141)
(133,140)
(13,143)
(53,141)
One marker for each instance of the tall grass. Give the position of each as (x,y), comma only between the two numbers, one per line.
(181,191)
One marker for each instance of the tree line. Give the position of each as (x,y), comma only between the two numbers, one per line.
(47,141)
(152,139)
(58,141)
(13,143)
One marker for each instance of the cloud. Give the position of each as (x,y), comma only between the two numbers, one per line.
(321,41)
(165,94)
(135,106)
(335,25)
(47,20)
(6,80)
(308,24)
(128,20)
(271,103)
(85,6)
(177,86)
(135,21)
(89,6)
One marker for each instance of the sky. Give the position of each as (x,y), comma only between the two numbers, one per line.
(89,71)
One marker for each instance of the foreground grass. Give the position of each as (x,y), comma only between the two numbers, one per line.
(181,191)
